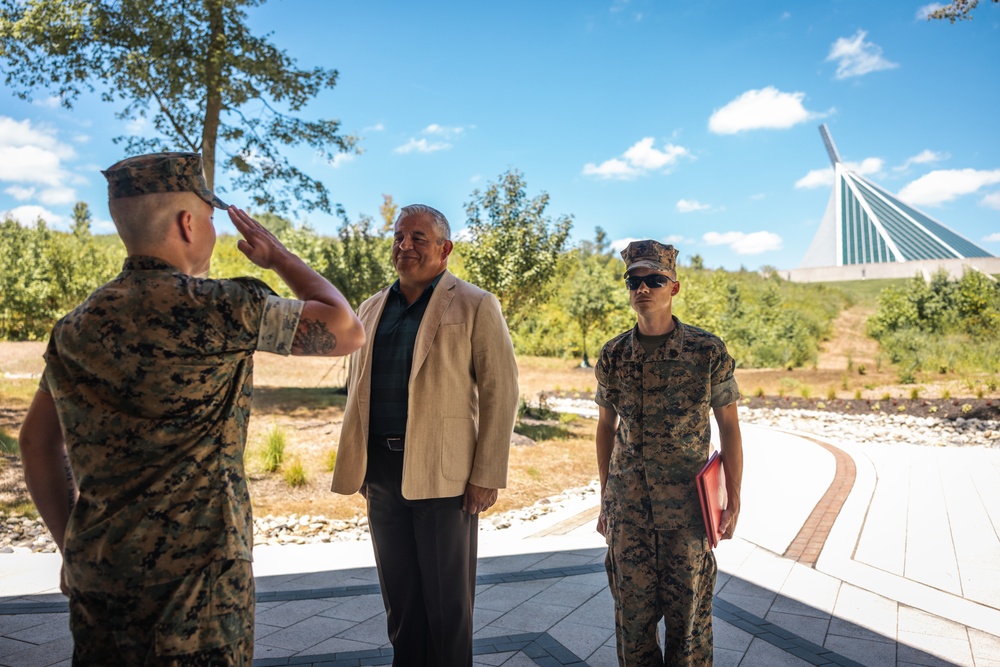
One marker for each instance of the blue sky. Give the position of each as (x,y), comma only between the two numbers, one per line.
(693,122)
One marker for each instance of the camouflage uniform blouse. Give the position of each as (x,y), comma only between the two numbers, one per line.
(152,380)
(664,432)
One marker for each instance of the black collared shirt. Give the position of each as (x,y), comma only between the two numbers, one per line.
(392,358)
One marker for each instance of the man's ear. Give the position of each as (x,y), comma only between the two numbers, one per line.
(675,287)
(184,225)
(446,249)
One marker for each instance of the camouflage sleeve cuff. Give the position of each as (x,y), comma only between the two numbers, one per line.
(601,399)
(726,393)
(278,323)
(43,384)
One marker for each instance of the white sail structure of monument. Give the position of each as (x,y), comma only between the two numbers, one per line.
(868,232)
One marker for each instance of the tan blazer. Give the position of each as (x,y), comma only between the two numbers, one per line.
(463,396)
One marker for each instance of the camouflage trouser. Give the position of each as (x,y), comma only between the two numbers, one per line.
(203,620)
(654,574)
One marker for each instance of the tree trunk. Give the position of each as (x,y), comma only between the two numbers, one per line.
(215,53)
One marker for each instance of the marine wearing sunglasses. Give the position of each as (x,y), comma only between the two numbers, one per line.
(652,281)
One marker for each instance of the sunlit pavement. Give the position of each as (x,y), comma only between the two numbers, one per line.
(845,555)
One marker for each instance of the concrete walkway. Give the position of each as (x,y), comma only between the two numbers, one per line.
(846,555)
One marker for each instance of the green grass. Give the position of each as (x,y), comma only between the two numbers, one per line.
(17,393)
(330,461)
(864,292)
(8,443)
(274,449)
(540,432)
(295,474)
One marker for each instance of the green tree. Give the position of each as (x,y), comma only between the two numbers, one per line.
(513,247)
(957,10)
(81,220)
(388,211)
(358,261)
(193,68)
(590,289)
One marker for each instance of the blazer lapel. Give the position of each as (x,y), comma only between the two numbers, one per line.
(440,299)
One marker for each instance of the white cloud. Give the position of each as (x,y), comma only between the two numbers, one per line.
(101,226)
(443,131)
(925,156)
(640,158)
(377,127)
(32,154)
(56,196)
(944,185)
(992,238)
(137,125)
(29,215)
(927,10)
(19,193)
(856,57)
(764,109)
(340,159)
(818,178)
(745,244)
(691,205)
(613,168)
(50,102)
(422,146)
(991,200)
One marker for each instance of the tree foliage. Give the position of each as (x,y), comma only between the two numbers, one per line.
(591,289)
(358,262)
(194,69)
(46,273)
(513,247)
(957,10)
(942,325)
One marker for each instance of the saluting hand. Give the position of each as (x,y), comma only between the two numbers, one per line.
(258,244)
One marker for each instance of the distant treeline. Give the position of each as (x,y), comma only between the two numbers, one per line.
(566,303)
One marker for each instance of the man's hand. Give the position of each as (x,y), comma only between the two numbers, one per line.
(258,244)
(727,525)
(602,524)
(478,498)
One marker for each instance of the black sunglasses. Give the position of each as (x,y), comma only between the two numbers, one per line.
(653,281)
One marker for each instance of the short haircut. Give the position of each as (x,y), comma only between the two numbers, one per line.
(144,220)
(440,222)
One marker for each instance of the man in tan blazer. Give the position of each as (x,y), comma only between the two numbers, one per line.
(431,402)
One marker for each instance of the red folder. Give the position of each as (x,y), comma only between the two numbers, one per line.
(711,482)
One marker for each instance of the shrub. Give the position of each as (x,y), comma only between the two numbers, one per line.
(915,393)
(330,461)
(831,394)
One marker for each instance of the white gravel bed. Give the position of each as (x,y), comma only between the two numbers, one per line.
(19,534)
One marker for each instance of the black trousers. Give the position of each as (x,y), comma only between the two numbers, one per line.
(425,551)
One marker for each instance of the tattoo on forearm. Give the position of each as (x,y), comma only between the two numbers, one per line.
(312,337)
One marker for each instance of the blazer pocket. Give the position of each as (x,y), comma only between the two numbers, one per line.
(458,446)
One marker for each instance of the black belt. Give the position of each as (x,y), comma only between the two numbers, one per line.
(394,443)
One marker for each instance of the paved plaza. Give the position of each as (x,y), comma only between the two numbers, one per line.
(879,555)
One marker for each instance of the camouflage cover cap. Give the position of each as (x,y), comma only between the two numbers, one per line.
(160,172)
(650,254)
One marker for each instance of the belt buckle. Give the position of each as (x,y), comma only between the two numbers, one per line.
(394,443)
